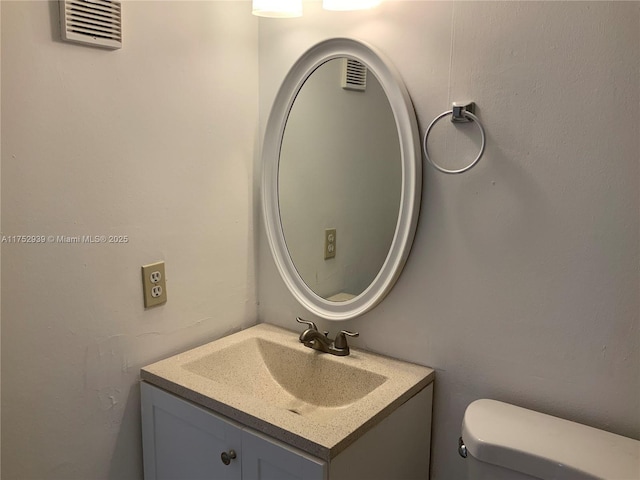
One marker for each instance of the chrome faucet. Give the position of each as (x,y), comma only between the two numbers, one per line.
(312,338)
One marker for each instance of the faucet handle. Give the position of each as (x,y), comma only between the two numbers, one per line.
(311,325)
(341,338)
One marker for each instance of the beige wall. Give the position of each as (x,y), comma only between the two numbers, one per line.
(154,141)
(523,281)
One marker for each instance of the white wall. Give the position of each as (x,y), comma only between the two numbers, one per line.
(154,141)
(523,281)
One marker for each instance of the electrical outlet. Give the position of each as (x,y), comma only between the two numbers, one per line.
(329,243)
(155,277)
(153,284)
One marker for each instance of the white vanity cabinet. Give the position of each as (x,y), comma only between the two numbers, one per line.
(182,441)
(287,412)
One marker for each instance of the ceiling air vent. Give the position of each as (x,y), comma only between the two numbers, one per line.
(354,75)
(93,22)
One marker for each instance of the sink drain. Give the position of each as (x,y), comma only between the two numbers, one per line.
(293,410)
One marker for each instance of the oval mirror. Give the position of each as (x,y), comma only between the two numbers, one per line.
(341,179)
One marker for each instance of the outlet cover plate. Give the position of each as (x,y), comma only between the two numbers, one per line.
(330,243)
(154,284)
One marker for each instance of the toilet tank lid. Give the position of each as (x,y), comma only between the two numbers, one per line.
(544,446)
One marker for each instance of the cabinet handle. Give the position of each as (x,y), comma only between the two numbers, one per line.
(226,457)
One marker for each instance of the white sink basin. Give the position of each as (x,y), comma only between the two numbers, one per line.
(264,378)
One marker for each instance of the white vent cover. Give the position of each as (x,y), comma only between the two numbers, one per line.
(94,22)
(354,75)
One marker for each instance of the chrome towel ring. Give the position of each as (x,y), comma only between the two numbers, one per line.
(460,113)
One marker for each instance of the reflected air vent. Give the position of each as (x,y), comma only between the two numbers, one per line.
(94,22)
(354,75)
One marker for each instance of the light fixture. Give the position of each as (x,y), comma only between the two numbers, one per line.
(343,5)
(277,8)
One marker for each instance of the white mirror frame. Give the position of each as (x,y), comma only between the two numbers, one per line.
(411,176)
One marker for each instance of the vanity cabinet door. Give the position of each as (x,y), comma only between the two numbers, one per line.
(266,459)
(182,441)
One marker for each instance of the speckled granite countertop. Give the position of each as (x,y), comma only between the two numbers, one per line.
(255,377)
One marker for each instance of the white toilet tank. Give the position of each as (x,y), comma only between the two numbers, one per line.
(505,442)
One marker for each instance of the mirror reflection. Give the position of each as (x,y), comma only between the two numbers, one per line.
(340,169)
